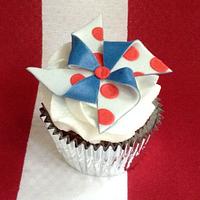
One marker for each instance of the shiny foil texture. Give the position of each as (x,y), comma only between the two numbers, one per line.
(104,159)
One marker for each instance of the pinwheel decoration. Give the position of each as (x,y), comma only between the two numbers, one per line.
(102,73)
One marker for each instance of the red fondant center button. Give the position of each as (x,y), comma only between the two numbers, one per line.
(102,72)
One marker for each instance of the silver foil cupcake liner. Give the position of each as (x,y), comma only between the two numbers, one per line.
(104,159)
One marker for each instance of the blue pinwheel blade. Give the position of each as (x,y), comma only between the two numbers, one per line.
(124,76)
(81,55)
(86,90)
(113,51)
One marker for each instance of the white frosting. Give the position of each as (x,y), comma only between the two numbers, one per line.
(68,114)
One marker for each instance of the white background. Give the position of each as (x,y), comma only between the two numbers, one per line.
(45,174)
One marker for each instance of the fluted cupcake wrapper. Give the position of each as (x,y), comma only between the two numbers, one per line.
(105,158)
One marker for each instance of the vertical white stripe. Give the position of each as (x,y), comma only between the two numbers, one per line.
(45,175)
(61,17)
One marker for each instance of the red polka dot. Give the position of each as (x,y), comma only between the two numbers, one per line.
(99,57)
(102,72)
(76,78)
(105,117)
(131,54)
(138,74)
(109,90)
(97,33)
(158,65)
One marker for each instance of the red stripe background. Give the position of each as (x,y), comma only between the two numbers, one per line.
(21,45)
(170,166)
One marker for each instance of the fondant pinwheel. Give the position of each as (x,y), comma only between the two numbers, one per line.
(102,73)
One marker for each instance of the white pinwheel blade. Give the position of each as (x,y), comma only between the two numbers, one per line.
(114,101)
(146,82)
(141,61)
(58,81)
(92,35)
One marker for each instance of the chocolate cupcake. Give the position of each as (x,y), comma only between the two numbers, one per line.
(100,100)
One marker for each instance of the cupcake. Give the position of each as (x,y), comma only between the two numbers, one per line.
(100,100)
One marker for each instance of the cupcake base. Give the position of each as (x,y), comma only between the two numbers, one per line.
(105,158)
